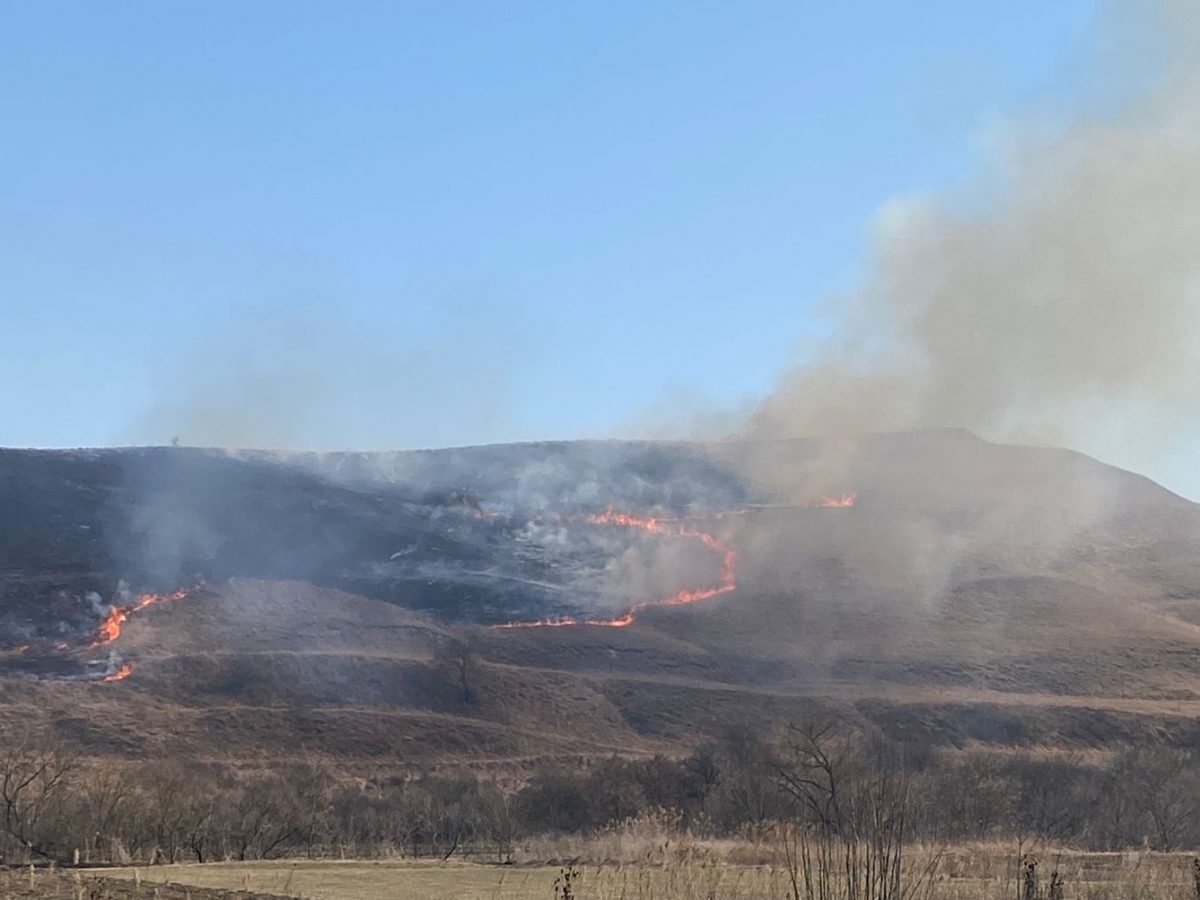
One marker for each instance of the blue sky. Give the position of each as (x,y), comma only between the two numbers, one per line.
(389,224)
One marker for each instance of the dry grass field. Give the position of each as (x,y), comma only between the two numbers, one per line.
(360,880)
(965,873)
(18,883)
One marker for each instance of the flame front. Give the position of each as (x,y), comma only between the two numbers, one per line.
(845,501)
(676,528)
(653,525)
(120,675)
(110,629)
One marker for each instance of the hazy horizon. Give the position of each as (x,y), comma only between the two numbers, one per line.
(273,226)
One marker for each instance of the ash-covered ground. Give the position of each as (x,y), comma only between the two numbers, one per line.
(485,535)
(865,559)
(339,603)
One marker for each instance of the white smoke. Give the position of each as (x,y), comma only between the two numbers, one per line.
(1064,309)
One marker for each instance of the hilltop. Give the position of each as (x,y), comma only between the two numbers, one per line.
(947,589)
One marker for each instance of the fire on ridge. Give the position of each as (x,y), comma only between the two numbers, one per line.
(653,525)
(119,675)
(110,628)
(106,632)
(726,584)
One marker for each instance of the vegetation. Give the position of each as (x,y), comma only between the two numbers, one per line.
(834,807)
(975,872)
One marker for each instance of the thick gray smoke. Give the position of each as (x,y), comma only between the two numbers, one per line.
(1059,303)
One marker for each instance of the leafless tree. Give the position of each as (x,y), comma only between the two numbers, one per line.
(848,839)
(34,775)
(105,799)
(1165,782)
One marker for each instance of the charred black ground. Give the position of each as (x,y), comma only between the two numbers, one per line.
(409,528)
(973,592)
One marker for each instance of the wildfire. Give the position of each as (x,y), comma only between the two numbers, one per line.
(556,622)
(563,621)
(845,501)
(120,675)
(653,525)
(673,527)
(625,520)
(110,628)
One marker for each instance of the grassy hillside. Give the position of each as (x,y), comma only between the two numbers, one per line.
(973,593)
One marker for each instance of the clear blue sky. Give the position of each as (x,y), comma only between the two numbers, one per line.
(475,221)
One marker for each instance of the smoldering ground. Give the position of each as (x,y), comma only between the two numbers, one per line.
(1054,300)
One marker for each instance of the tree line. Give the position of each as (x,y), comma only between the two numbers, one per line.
(821,778)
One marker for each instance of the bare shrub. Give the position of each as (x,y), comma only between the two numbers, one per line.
(848,838)
(33,779)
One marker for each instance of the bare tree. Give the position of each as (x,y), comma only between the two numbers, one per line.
(170,808)
(33,778)
(1165,782)
(264,818)
(104,799)
(848,839)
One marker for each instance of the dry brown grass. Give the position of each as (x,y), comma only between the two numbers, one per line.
(292,673)
(679,871)
(19,883)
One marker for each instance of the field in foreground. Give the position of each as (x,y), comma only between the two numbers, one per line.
(17,883)
(985,873)
(361,880)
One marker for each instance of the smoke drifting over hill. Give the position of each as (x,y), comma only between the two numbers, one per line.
(1056,301)
(1064,308)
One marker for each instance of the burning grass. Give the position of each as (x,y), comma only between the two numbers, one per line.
(118,614)
(726,582)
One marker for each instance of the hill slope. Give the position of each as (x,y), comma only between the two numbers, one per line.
(972,592)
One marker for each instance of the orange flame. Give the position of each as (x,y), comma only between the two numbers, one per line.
(110,628)
(653,525)
(120,675)
(557,622)
(845,501)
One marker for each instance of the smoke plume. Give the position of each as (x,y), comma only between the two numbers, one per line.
(1058,303)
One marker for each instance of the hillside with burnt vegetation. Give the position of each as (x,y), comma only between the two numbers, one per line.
(501,605)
